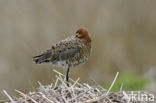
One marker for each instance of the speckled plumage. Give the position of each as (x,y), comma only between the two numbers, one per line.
(70,52)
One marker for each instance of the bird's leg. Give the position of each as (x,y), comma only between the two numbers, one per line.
(67,76)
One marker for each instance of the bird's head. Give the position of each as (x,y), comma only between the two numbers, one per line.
(83,34)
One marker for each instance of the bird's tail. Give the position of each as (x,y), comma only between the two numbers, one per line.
(43,58)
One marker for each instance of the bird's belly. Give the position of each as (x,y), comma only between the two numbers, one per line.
(71,62)
(61,64)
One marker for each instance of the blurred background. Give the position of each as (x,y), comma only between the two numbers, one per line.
(123,34)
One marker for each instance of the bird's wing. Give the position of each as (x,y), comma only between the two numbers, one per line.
(43,58)
(64,51)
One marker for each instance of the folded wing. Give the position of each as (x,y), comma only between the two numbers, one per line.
(59,52)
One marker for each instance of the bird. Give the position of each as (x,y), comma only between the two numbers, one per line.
(68,53)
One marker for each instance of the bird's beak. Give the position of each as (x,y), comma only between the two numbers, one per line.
(77,35)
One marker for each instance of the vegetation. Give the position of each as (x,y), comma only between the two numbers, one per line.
(130,82)
(76,92)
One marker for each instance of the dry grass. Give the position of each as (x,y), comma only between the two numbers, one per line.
(77,92)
